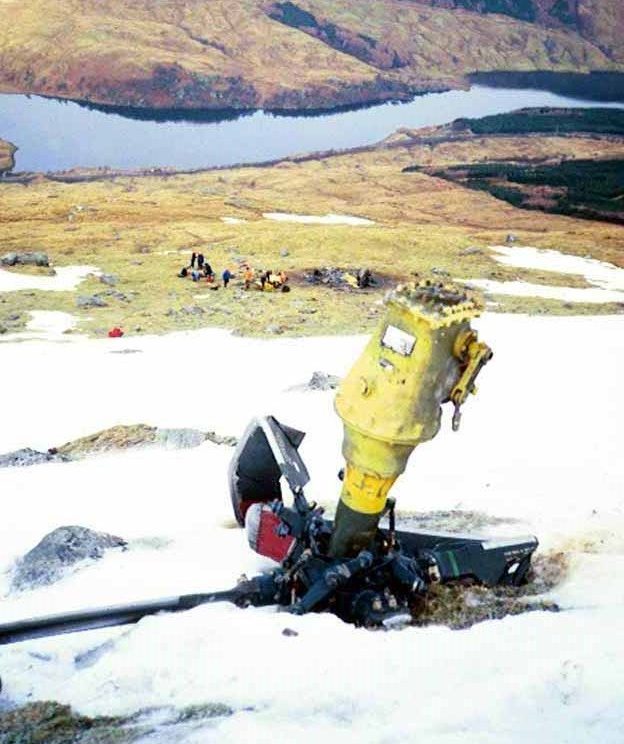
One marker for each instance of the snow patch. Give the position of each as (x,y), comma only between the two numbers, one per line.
(608,279)
(233,220)
(45,325)
(66,278)
(596,272)
(551,461)
(547,292)
(311,219)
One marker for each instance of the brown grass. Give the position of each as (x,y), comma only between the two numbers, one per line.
(231,53)
(143,230)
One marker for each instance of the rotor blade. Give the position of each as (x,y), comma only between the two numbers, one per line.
(104,617)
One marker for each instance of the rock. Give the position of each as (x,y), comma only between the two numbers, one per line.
(193,310)
(30,258)
(116,437)
(109,279)
(323,381)
(274,329)
(51,272)
(3,329)
(13,317)
(439,272)
(284,252)
(289,633)
(180,438)
(24,457)
(470,251)
(59,550)
(9,259)
(90,301)
(511,238)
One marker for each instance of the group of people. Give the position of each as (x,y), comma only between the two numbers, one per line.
(269,280)
(200,268)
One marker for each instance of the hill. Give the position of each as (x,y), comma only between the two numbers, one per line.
(283,55)
(392,213)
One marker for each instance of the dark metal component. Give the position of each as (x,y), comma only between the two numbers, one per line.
(266,452)
(257,592)
(334,576)
(376,588)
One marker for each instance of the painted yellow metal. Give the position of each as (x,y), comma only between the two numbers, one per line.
(423,354)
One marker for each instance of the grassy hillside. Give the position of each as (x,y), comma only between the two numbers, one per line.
(287,55)
(142,229)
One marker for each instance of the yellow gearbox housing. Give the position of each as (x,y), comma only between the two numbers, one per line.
(423,354)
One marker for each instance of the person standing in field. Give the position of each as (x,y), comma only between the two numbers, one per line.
(193,259)
(249,277)
(226,276)
(200,261)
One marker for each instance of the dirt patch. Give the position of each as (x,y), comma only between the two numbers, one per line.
(464,604)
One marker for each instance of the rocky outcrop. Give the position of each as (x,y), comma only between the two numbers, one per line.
(116,438)
(29,258)
(58,551)
(25,457)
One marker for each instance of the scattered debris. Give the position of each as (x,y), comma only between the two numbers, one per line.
(59,550)
(338,278)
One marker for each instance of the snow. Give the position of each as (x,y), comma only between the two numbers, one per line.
(46,325)
(233,220)
(597,272)
(311,219)
(607,279)
(540,443)
(566,294)
(66,278)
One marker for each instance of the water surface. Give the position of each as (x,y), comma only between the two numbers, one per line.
(56,135)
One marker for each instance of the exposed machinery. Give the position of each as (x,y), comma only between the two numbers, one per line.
(424,354)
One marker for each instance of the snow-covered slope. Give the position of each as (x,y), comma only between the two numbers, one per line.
(541,444)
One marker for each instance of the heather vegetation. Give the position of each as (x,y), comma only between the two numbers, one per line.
(297,55)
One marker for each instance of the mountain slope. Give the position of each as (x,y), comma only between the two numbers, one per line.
(303,55)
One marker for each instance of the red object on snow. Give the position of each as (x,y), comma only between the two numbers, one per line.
(115,332)
(261,525)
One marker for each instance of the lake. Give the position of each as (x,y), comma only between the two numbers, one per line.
(56,135)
